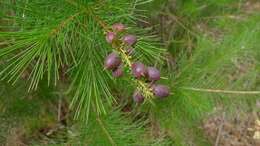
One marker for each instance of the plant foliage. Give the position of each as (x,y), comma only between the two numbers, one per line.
(212,60)
(47,38)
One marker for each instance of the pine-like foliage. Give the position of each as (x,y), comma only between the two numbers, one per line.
(61,43)
(66,36)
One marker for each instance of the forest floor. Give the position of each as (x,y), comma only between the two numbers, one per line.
(243,129)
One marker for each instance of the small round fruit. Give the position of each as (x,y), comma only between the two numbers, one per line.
(112,61)
(153,74)
(130,39)
(161,91)
(118,72)
(138,69)
(118,27)
(110,36)
(138,97)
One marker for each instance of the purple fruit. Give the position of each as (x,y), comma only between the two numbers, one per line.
(153,74)
(118,27)
(118,72)
(129,39)
(161,91)
(138,69)
(112,61)
(138,97)
(110,36)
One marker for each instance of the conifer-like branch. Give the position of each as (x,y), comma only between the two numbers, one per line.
(40,43)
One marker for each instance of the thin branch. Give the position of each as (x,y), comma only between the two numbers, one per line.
(220,130)
(90,11)
(100,22)
(220,91)
(59,108)
(180,23)
(64,23)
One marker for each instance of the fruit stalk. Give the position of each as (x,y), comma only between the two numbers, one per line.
(142,85)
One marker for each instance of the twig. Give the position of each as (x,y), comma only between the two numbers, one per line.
(220,91)
(64,23)
(220,130)
(90,12)
(59,109)
(180,23)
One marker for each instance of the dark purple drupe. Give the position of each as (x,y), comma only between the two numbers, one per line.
(161,91)
(112,61)
(130,39)
(153,74)
(138,69)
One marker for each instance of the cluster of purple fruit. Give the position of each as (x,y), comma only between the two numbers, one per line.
(139,70)
(151,75)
